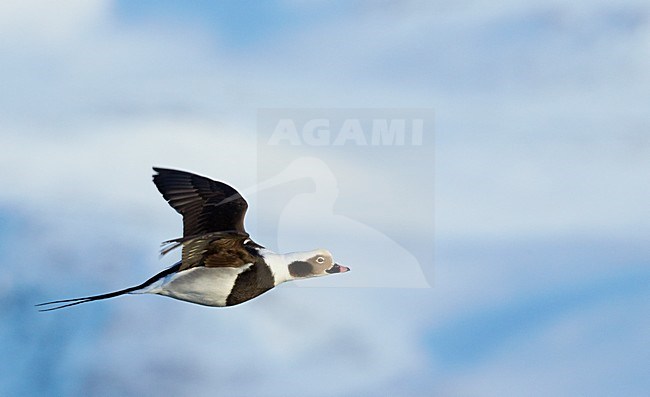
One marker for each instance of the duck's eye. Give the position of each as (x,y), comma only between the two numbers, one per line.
(320,259)
(247,241)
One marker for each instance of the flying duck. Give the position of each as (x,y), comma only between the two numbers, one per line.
(220,264)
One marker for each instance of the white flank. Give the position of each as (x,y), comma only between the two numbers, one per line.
(208,286)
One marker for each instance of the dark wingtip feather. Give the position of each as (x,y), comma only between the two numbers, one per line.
(206,205)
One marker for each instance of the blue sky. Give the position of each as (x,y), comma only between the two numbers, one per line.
(539,279)
(241,24)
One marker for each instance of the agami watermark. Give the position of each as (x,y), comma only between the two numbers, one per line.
(354,131)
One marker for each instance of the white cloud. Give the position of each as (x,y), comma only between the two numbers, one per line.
(42,22)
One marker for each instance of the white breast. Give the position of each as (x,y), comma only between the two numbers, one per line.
(208,286)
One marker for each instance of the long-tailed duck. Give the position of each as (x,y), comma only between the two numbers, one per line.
(220,265)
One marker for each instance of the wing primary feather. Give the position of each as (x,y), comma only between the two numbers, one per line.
(206,205)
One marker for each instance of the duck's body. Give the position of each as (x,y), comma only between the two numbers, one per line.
(220,265)
(216,286)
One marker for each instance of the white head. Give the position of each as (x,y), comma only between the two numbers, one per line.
(299,265)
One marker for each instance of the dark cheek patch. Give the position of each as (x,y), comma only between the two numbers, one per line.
(300,269)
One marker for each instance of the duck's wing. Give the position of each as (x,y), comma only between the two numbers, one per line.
(207,206)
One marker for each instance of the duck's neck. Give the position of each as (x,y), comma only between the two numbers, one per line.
(279,265)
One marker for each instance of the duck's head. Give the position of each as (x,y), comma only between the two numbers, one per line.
(313,264)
